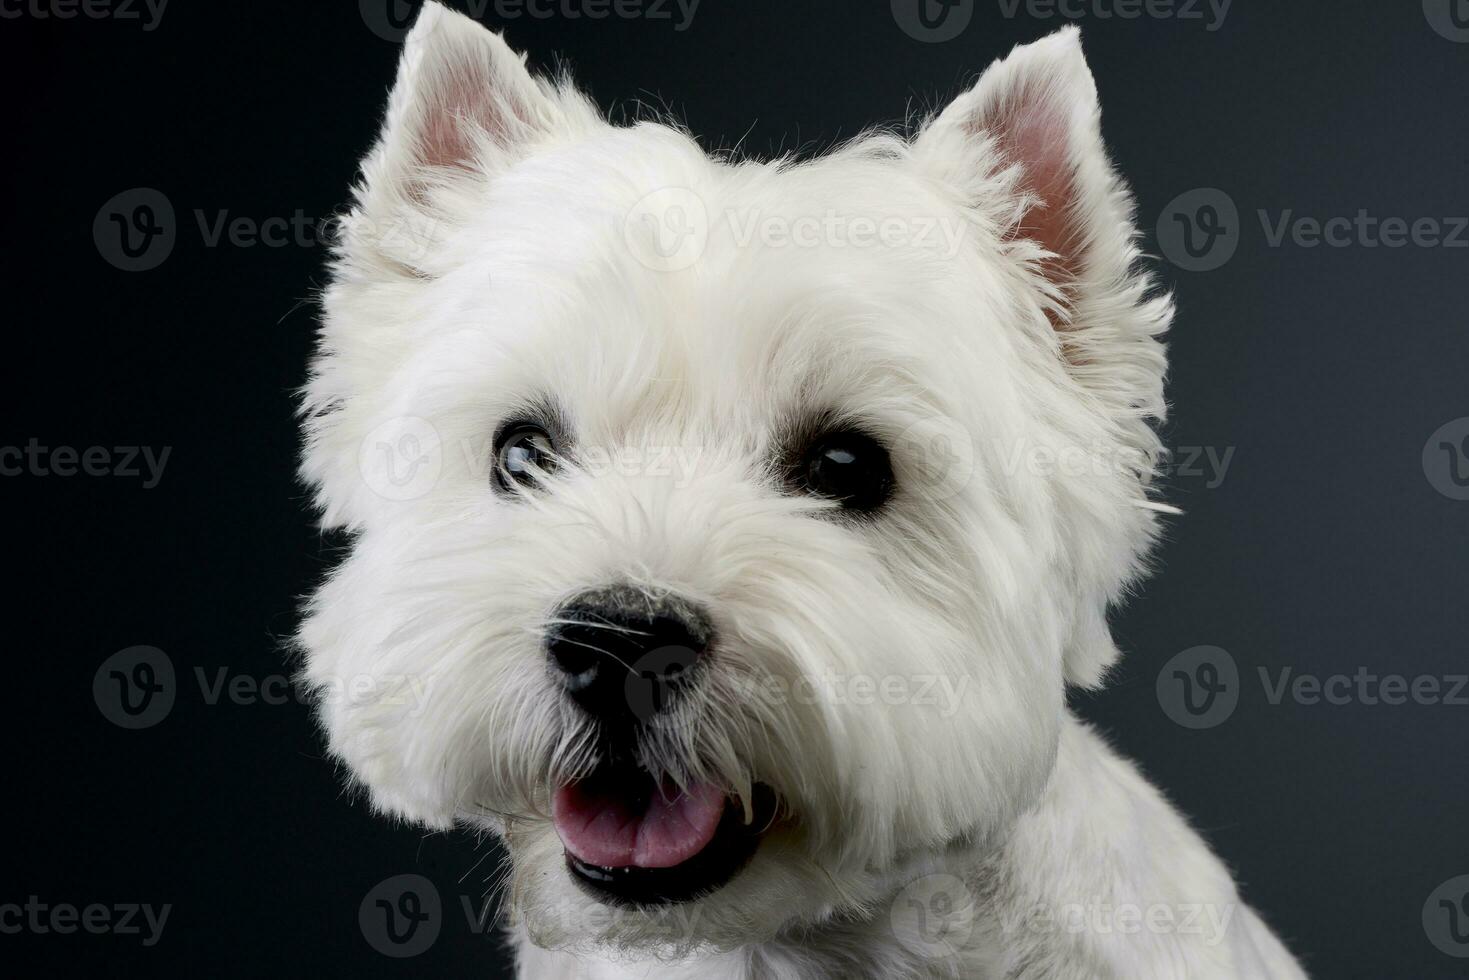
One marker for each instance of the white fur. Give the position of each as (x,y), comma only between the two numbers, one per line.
(488,265)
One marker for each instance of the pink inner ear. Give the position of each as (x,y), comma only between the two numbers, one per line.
(444,140)
(1034,132)
(463,104)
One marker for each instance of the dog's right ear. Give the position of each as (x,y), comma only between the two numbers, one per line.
(463,111)
(1024,146)
(463,107)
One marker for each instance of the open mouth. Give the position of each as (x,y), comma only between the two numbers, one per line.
(634,840)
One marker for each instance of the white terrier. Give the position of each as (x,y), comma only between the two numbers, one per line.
(727,533)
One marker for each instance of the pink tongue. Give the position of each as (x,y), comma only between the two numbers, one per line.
(614,831)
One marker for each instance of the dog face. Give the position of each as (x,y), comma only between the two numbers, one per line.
(726,532)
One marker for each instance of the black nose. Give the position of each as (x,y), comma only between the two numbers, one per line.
(624,655)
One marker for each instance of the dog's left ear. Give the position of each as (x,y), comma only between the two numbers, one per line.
(462,109)
(1031,129)
(1024,146)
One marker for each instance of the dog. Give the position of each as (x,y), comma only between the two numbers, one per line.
(726,534)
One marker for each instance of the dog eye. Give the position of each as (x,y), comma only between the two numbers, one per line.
(523,452)
(848,466)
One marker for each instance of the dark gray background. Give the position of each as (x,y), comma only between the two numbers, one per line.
(1326,548)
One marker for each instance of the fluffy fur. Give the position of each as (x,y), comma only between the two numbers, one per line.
(489,264)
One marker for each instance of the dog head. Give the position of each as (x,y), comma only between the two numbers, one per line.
(726,533)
